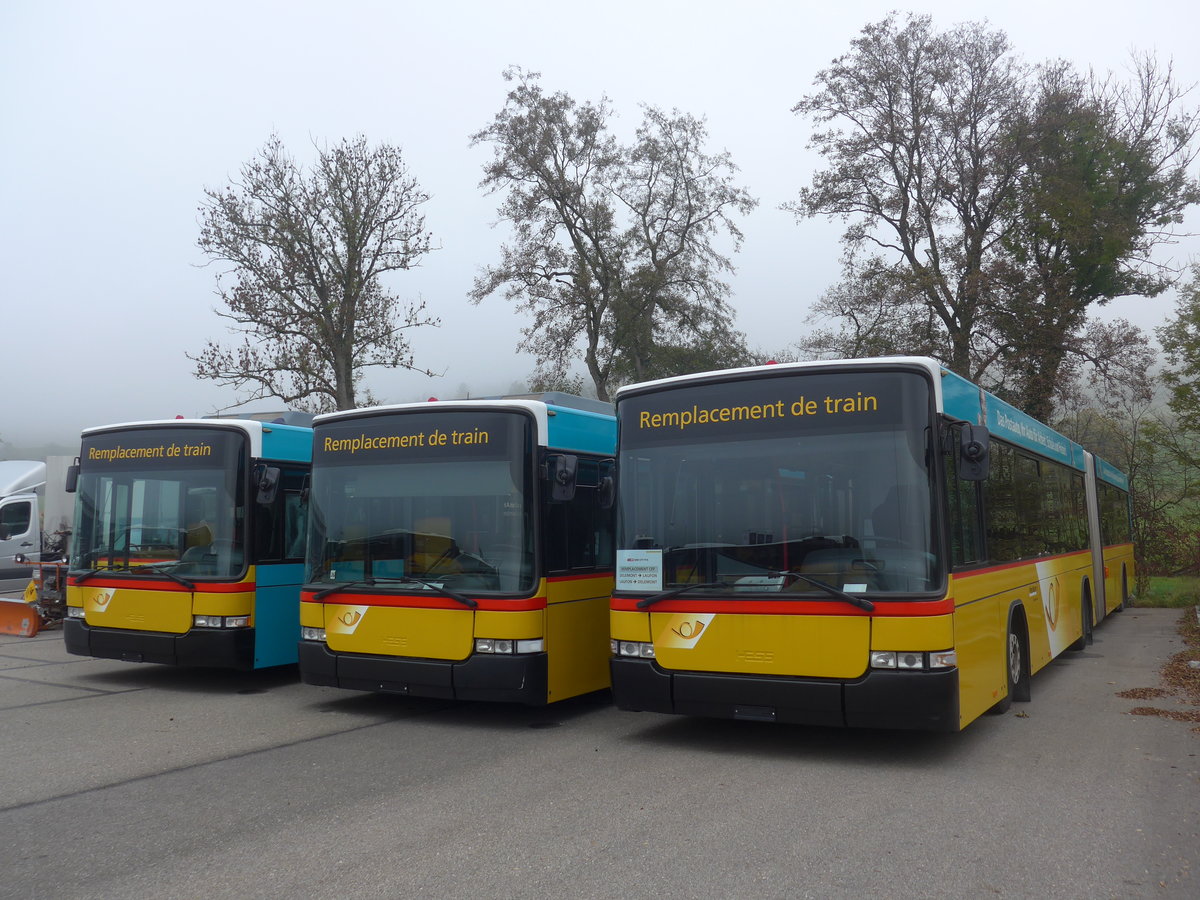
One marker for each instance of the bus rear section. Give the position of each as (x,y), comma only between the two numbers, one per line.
(1114,541)
(461,550)
(188,543)
(825,543)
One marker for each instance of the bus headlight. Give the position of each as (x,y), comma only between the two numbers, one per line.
(308,633)
(943,659)
(639,649)
(913,660)
(507,645)
(75,612)
(221,621)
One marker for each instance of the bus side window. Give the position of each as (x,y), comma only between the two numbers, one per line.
(579,532)
(279,527)
(1000,507)
(295,518)
(962,497)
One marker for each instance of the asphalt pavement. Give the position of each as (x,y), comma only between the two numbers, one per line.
(126,780)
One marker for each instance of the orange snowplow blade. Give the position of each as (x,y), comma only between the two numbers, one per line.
(19,618)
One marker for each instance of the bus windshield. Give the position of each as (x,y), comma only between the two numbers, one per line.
(412,501)
(759,485)
(165,499)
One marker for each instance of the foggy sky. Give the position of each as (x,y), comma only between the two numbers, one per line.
(117,115)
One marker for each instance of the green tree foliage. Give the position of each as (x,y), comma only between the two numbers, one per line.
(306,255)
(1180,339)
(1005,199)
(615,250)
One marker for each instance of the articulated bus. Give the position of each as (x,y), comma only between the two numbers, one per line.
(188,544)
(462,549)
(871,543)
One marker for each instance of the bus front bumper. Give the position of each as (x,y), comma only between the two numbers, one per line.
(926,701)
(224,648)
(520,678)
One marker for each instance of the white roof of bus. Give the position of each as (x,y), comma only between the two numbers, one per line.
(924,362)
(535,407)
(252,428)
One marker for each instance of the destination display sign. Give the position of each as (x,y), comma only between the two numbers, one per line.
(143,449)
(420,436)
(774,406)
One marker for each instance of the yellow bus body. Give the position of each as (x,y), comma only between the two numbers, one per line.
(159,609)
(570,616)
(1049,592)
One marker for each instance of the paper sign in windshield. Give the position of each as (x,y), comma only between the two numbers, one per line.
(639,570)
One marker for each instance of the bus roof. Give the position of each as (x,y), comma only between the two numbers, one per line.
(1106,471)
(267,440)
(954,396)
(559,426)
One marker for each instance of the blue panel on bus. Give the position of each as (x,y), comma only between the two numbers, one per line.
(287,442)
(276,613)
(583,432)
(1010,424)
(1111,474)
(960,398)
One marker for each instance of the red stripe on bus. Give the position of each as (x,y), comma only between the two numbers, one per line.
(236,587)
(590,575)
(412,601)
(883,608)
(1085,556)
(427,601)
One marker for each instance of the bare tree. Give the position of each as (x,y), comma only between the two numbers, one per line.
(615,249)
(873,311)
(306,254)
(1007,199)
(919,165)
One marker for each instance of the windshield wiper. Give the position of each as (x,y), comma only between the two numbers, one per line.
(128,569)
(441,589)
(371,582)
(860,602)
(91,556)
(158,568)
(333,589)
(675,592)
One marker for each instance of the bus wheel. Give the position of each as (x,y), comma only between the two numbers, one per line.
(1015,668)
(1124,590)
(1085,615)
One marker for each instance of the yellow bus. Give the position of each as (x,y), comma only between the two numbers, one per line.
(188,545)
(874,543)
(461,549)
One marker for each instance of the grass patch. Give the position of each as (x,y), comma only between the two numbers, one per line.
(1172,593)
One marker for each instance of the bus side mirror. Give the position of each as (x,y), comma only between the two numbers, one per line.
(72,477)
(267,480)
(305,488)
(973,453)
(606,490)
(562,469)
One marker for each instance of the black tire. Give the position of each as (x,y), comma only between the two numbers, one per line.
(1085,615)
(1015,668)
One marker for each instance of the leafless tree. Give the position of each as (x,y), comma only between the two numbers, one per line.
(306,254)
(615,250)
